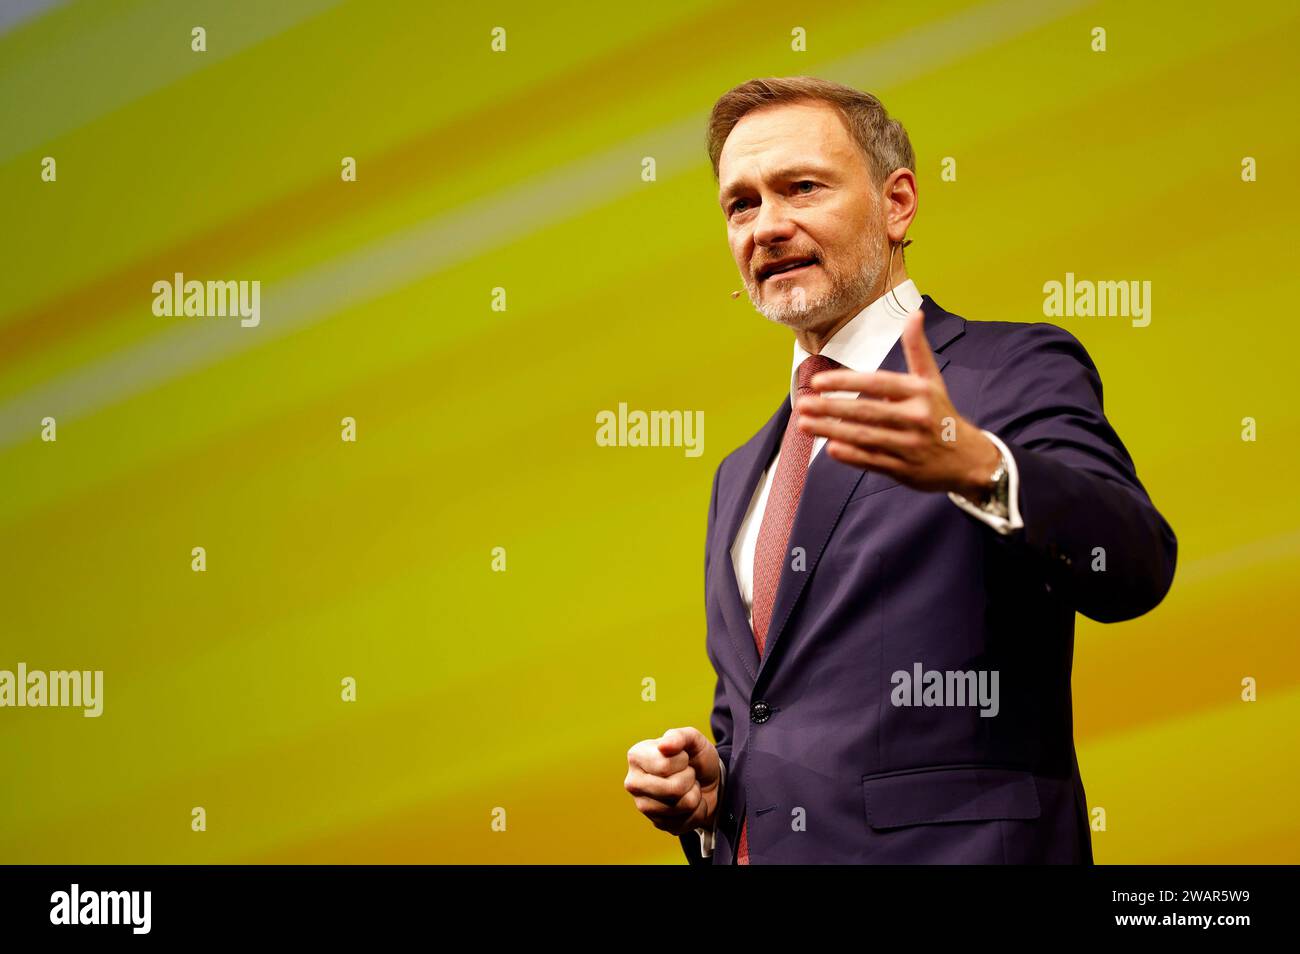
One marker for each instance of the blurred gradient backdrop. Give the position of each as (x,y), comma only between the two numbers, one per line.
(476,428)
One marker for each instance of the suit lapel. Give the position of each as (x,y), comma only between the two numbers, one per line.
(829,485)
(751,461)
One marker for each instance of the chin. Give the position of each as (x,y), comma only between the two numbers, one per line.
(811,317)
(780,307)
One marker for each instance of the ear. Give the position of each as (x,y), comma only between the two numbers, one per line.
(900,203)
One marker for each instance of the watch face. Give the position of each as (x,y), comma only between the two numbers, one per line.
(1000,489)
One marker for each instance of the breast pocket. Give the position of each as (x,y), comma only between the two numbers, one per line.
(928,796)
(873,483)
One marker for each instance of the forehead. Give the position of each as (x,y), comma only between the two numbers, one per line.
(786,136)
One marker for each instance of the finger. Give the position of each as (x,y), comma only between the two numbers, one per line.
(669,810)
(884,384)
(688,739)
(897,443)
(667,790)
(916,347)
(670,817)
(841,380)
(663,787)
(647,757)
(900,414)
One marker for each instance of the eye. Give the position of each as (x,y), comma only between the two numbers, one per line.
(735,206)
(807,182)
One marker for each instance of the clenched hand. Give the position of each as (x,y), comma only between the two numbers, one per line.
(674,780)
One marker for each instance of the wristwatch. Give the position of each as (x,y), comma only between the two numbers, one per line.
(997,499)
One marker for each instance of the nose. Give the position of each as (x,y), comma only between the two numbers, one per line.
(773,224)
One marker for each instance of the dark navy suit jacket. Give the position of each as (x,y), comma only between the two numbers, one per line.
(822,763)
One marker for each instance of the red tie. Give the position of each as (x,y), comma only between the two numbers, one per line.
(770,554)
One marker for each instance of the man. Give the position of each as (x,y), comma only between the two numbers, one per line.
(894,561)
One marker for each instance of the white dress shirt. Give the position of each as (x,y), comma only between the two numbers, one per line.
(861,345)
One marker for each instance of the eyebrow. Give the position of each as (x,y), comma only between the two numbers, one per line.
(784,173)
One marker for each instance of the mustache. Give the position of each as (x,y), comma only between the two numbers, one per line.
(755,276)
(785,257)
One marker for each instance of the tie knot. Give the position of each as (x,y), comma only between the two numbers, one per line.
(813,364)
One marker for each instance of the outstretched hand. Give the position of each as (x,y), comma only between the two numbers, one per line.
(905,426)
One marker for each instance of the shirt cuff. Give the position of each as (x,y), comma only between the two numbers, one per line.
(706,834)
(1001,524)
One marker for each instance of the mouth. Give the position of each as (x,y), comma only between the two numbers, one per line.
(790,267)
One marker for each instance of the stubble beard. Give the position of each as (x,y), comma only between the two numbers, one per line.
(851,288)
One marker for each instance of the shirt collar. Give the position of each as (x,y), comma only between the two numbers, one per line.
(861,345)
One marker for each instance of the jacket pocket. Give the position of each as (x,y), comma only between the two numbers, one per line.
(873,483)
(926,796)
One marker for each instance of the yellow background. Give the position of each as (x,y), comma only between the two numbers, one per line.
(522,170)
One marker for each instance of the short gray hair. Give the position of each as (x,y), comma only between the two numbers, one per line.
(883,140)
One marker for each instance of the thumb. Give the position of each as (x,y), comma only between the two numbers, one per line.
(688,740)
(916,347)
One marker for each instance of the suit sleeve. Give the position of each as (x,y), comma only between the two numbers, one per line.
(1088,523)
(720,718)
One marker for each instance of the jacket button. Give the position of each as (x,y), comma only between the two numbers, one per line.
(760,712)
(731,818)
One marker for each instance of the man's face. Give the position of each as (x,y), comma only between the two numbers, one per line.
(795,185)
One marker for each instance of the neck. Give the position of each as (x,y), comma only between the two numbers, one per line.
(813,340)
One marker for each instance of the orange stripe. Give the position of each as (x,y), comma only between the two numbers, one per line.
(432,157)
